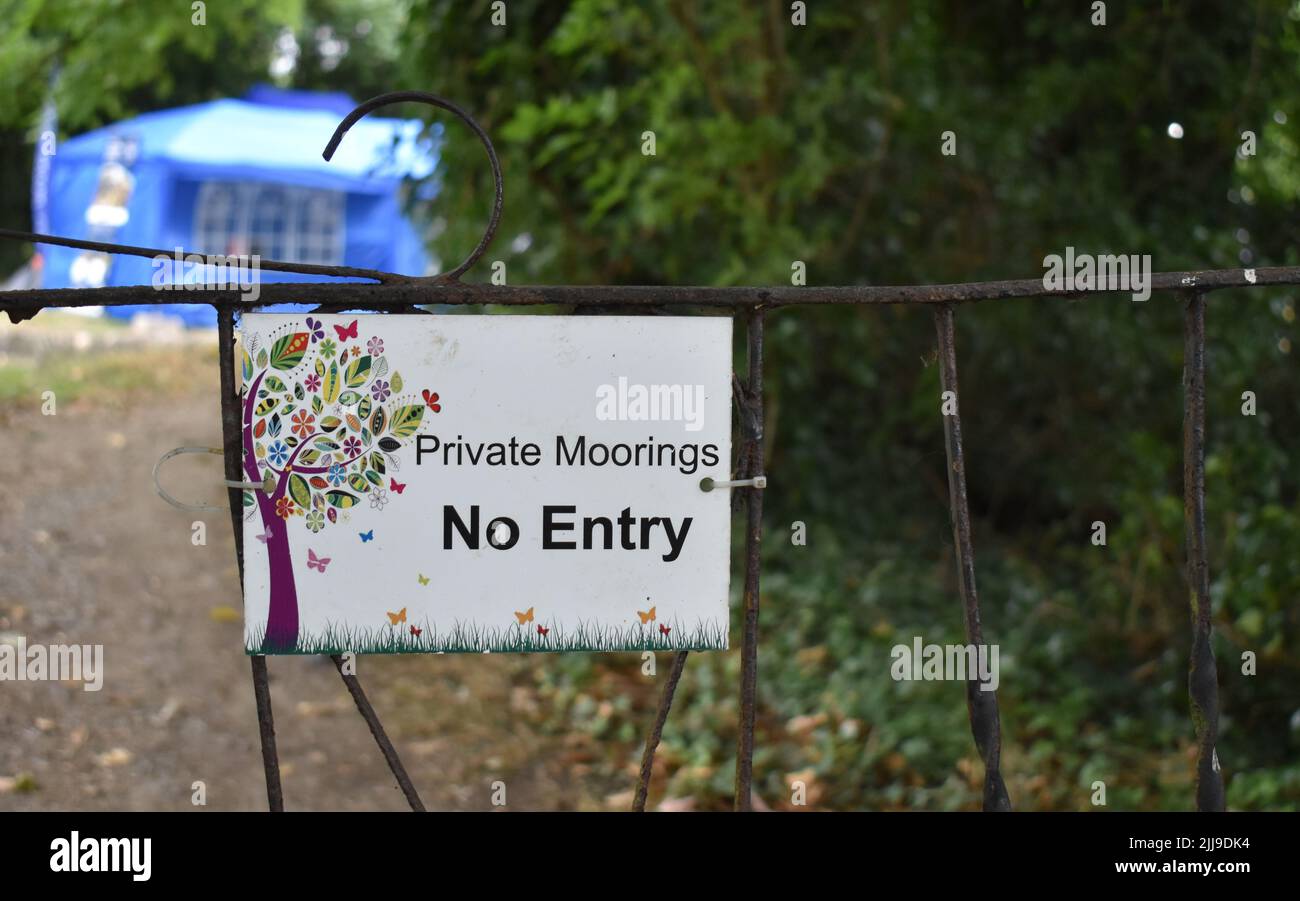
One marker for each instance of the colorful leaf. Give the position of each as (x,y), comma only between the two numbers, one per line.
(248,368)
(299,491)
(348,398)
(374,477)
(406,420)
(358,482)
(358,372)
(377,462)
(396,383)
(273,383)
(324,444)
(330,389)
(378,421)
(260,429)
(261,358)
(389,444)
(364,408)
(317,404)
(318,482)
(266,406)
(330,423)
(288,351)
(341,499)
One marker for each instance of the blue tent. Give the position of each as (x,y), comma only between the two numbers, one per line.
(236,176)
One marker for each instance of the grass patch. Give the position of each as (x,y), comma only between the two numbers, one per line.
(106,378)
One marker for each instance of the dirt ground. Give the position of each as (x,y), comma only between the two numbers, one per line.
(89,554)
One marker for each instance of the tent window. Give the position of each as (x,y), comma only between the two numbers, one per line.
(303,225)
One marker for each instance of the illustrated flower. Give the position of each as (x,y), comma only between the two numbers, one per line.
(352,446)
(277,453)
(378,498)
(380,390)
(356,351)
(375,346)
(284,508)
(328,348)
(315,521)
(303,423)
(336,474)
(312,382)
(315,329)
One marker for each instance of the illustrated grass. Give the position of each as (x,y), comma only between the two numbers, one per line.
(472,638)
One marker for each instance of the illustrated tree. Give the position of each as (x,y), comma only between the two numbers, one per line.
(321,422)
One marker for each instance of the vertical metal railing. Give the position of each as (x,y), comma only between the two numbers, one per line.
(1202,674)
(231,432)
(981,706)
(752,419)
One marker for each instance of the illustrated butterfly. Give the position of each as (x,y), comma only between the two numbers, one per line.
(525,617)
(346,333)
(424,580)
(431,398)
(398,617)
(397,486)
(664,630)
(265,536)
(314,562)
(367,536)
(542,632)
(647,616)
(416,632)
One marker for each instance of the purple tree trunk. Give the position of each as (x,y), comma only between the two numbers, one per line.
(282,617)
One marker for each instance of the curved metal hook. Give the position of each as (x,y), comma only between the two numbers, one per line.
(434,100)
(267,486)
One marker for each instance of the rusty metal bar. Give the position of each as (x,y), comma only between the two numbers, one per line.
(399,292)
(981,706)
(753,551)
(381,737)
(230,439)
(1202,674)
(656,732)
(151,252)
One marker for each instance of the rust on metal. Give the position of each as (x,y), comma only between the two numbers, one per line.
(230,440)
(656,731)
(753,421)
(1202,674)
(396,292)
(981,706)
(381,737)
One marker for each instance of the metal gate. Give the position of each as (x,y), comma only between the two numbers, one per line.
(391,293)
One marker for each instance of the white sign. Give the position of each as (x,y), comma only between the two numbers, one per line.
(485,483)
